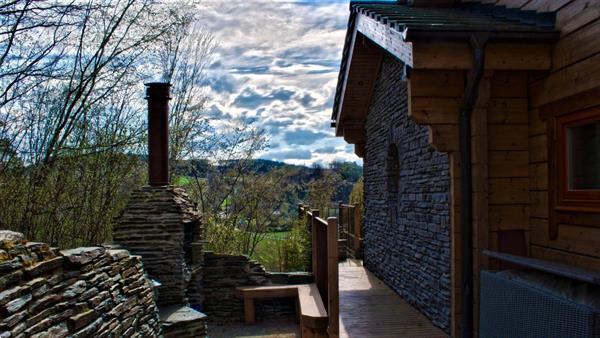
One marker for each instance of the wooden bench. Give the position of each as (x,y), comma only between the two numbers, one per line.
(311,311)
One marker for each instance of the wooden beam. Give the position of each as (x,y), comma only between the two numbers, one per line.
(352,48)
(442,55)
(480,171)
(354,134)
(583,100)
(359,81)
(387,37)
(518,56)
(359,150)
(582,76)
(437,83)
(576,47)
(352,123)
(565,257)
(444,137)
(433,3)
(584,275)
(457,55)
(434,110)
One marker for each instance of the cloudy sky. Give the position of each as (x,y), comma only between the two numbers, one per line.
(276,67)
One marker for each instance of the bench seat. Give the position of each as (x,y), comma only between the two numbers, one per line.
(314,319)
(269,291)
(311,310)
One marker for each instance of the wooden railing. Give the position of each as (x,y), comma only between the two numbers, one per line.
(350,229)
(350,241)
(324,262)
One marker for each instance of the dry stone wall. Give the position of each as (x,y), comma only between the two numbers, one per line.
(407,210)
(162,225)
(223,273)
(84,292)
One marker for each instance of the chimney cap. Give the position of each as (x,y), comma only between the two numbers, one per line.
(158,90)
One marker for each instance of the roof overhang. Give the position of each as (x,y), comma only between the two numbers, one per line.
(420,46)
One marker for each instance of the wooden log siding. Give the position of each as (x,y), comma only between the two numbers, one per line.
(572,84)
(522,101)
(499,55)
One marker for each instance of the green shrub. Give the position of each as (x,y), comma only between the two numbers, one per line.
(294,250)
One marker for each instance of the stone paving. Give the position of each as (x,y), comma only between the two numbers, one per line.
(279,328)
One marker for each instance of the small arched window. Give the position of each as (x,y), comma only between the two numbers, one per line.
(393,181)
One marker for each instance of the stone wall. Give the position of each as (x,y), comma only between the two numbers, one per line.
(407,211)
(85,292)
(162,225)
(223,273)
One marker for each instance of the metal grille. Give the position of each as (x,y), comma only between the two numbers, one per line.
(513,309)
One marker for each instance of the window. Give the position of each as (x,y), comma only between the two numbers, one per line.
(578,145)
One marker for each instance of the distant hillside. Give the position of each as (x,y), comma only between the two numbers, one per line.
(349,172)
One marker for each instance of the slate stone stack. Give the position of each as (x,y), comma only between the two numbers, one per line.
(407,223)
(223,273)
(83,292)
(162,225)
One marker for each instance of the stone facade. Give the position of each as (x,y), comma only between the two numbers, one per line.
(223,273)
(407,210)
(85,292)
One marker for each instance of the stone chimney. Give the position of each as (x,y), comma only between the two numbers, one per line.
(162,225)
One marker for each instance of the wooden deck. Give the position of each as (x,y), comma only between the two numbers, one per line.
(370,309)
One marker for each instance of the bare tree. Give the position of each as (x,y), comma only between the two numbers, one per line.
(71,111)
(183,58)
(262,196)
(31,44)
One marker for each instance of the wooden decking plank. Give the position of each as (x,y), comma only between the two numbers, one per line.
(370,309)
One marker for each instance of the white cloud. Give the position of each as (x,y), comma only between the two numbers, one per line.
(276,67)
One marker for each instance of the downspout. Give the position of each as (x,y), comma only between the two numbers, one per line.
(478,42)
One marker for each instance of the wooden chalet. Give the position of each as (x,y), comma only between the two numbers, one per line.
(479,127)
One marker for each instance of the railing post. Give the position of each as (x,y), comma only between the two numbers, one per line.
(332,277)
(341,219)
(357,232)
(314,246)
(308,225)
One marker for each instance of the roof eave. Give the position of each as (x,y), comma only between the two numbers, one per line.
(513,36)
(416,34)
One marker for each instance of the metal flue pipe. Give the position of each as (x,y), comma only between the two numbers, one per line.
(158,96)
